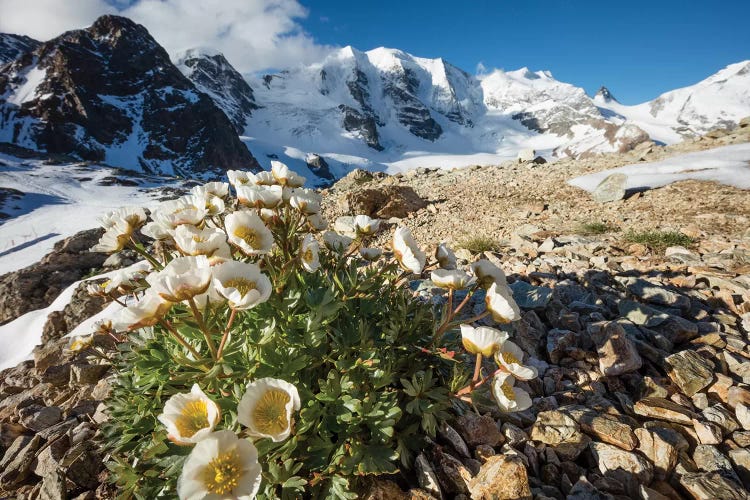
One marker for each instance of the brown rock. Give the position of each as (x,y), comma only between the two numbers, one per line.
(712,486)
(690,371)
(629,468)
(560,431)
(501,478)
(663,409)
(612,429)
(662,446)
(382,489)
(617,353)
(479,430)
(385,202)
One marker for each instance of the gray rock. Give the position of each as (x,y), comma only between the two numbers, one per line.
(453,438)
(712,486)
(514,435)
(677,329)
(17,461)
(690,371)
(740,457)
(478,430)
(530,297)
(558,344)
(612,188)
(722,416)
(39,418)
(629,468)
(559,430)
(53,487)
(708,458)
(617,352)
(656,294)
(426,476)
(87,374)
(49,459)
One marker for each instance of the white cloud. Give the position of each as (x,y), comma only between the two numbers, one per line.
(252,34)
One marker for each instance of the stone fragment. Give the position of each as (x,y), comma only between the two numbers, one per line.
(16,463)
(452,475)
(629,468)
(612,429)
(742,438)
(740,457)
(708,458)
(53,487)
(82,466)
(663,409)
(721,416)
(612,188)
(720,387)
(87,374)
(501,478)
(712,486)
(690,371)
(677,329)
(558,344)
(743,415)
(49,458)
(708,432)
(656,294)
(39,418)
(454,439)
(426,476)
(382,489)
(514,435)
(530,297)
(617,352)
(478,429)
(560,431)
(662,446)
(738,394)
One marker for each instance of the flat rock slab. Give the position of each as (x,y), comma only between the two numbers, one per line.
(712,486)
(617,352)
(690,371)
(664,409)
(501,478)
(612,188)
(529,296)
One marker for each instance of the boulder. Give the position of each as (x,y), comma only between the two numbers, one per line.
(612,188)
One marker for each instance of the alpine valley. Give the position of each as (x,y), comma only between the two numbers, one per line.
(110,94)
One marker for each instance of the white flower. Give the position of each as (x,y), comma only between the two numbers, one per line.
(500,303)
(186,210)
(79,343)
(182,279)
(455,280)
(134,216)
(482,340)
(208,241)
(247,231)
(146,312)
(371,254)
(253,195)
(220,189)
(336,242)
(509,398)
(308,253)
(488,273)
(221,466)
(306,201)
(407,252)
(266,408)
(365,225)
(189,417)
(157,231)
(263,178)
(445,256)
(345,225)
(115,238)
(284,176)
(510,357)
(239,177)
(242,284)
(214,205)
(317,222)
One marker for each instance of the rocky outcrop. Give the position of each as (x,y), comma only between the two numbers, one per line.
(109,93)
(212,74)
(12,46)
(318,165)
(36,286)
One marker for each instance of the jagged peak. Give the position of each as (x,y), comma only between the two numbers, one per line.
(197,52)
(604,94)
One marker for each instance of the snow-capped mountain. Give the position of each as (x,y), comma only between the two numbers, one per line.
(12,46)
(213,75)
(109,93)
(721,100)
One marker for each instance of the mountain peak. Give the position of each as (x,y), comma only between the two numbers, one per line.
(604,94)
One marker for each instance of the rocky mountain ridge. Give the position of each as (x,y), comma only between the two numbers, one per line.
(13,46)
(109,93)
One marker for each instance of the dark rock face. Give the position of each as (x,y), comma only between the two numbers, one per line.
(110,93)
(319,166)
(364,126)
(213,75)
(12,46)
(605,94)
(401,86)
(36,286)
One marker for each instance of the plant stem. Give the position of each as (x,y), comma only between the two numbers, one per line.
(140,250)
(199,318)
(225,336)
(166,324)
(472,386)
(477,318)
(477,369)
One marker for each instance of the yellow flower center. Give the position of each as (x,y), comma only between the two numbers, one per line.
(199,239)
(242,285)
(80,343)
(193,418)
(307,256)
(508,391)
(249,236)
(222,474)
(510,358)
(269,413)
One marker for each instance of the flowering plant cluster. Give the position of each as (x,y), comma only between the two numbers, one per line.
(261,354)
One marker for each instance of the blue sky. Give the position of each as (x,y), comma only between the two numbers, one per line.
(638,49)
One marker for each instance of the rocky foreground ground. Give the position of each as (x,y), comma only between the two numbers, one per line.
(644,387)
